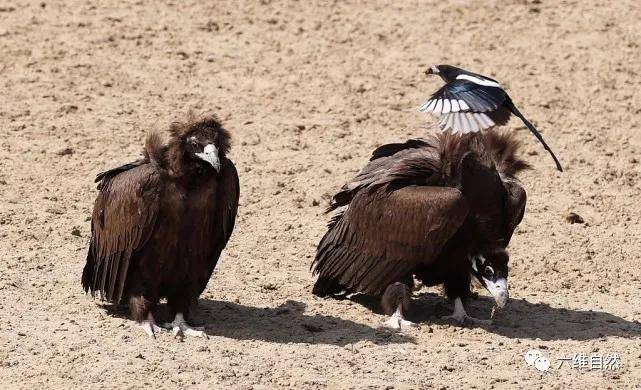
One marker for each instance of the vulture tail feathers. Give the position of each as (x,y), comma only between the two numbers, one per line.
(534,131)
(88,271)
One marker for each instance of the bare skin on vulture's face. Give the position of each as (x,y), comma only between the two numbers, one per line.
(490,270)
(203,147)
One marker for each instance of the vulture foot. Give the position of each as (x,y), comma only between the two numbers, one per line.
(397,321)
(461,316)
(181,329)
(149,326)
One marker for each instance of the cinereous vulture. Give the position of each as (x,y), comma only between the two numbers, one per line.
(441,210)
(160,223)
(470,102)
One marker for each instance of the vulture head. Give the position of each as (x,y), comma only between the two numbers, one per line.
(490,270)
(202,143)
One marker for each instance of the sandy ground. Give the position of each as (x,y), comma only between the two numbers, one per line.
(308,91)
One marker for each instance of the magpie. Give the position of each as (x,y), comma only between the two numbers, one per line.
(470,102)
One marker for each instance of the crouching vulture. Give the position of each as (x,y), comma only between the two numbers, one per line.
(160,223)
(441,210)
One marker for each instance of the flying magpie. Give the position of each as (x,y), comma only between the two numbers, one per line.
(470,102)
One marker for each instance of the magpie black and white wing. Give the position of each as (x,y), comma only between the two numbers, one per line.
(469,104)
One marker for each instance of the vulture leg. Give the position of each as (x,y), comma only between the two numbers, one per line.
(397,321)
(149,326)
(140,308)
(395,300)
(457,287)
(460,315)
(180,328)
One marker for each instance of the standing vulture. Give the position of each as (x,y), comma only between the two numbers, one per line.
(160,223)
(470,102)
(441,210)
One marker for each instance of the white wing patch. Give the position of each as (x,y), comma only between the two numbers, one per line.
(439,106)
(446,106)
(425,105)
(455,112)
(456,116)
(478,81)
(443,106)
(465,122)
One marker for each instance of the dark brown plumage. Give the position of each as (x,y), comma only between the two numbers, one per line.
(437,209)
(160,223)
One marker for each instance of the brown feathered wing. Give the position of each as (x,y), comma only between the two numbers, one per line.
(383,236)
(514,207)
(226,210)
(413,162)
(123,219)
(229,200)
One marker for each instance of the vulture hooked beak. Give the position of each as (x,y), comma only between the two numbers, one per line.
(496,285)
(432,70)
(498,289)
(210,154)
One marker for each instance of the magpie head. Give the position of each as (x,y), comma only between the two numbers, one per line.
(432,70)
(447,72)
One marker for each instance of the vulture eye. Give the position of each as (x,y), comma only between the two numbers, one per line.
(489,271)
(193,141)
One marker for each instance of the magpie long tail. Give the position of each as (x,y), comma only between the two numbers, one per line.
(534,131)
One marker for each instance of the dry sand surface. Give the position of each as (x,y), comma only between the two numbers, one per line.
(308,90)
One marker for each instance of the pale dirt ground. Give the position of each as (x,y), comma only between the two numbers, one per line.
(308,91)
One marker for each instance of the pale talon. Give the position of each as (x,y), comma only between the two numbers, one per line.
(149,326)
(459,319)
(461,316)
(408,324)
(180,328)
(195,333)
(479,321)
(467,318)
(393,323)
(397,321)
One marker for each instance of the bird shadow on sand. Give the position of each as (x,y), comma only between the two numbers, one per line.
(522,319)
(286,323)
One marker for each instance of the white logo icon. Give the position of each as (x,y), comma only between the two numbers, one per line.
(542,364)
(535,358)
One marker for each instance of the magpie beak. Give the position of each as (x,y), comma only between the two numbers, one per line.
(432,70)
